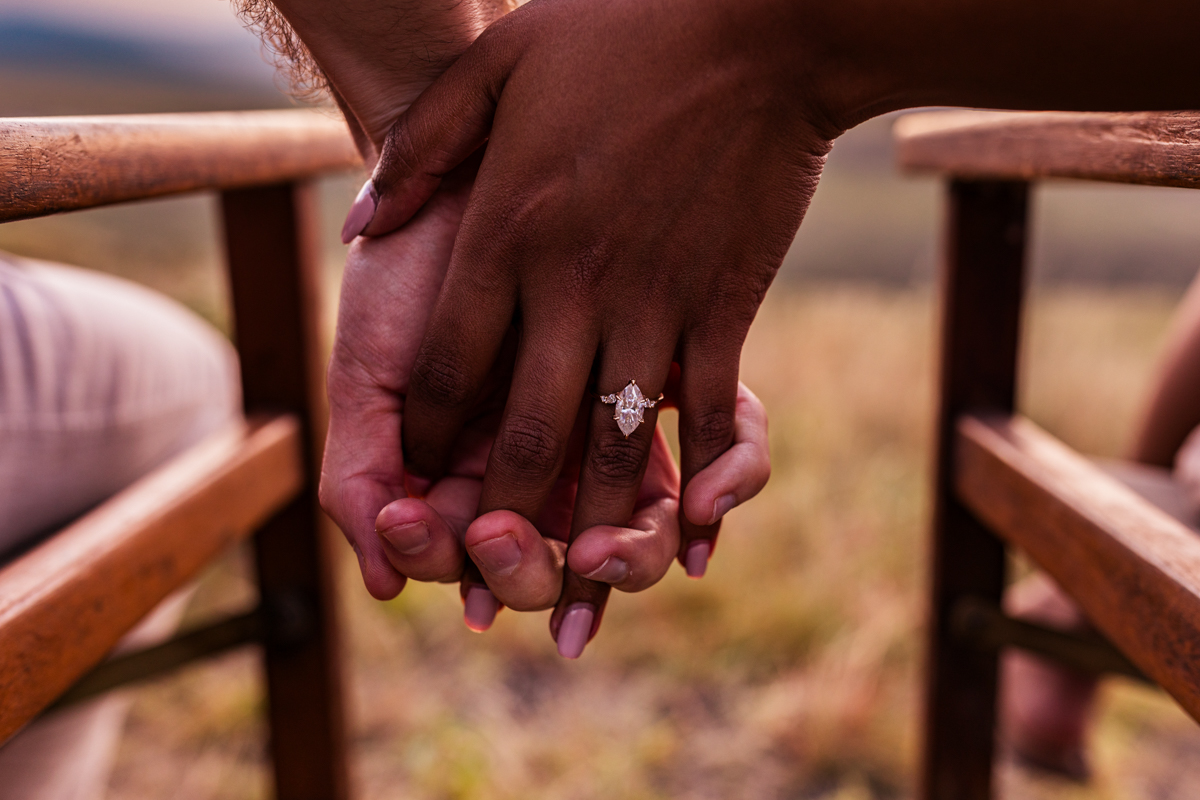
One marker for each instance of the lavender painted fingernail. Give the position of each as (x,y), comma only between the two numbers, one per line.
(480,609)
(723,505)
(361,212)
(575,629)
(613,570)
(408,539)
(696,559)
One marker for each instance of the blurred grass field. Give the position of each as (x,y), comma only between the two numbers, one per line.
(791,671)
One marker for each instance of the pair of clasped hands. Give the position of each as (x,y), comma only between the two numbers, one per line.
(596,192)
(522,248)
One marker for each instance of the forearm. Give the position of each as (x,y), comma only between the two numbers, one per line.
(379,56)
(1018,54)
(1172,409)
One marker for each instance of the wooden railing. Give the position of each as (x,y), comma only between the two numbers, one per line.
(53,164)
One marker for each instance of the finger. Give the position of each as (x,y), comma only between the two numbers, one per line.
(442,128)
(422,543)
(361,476)
(739,473)
(352,510)
(542,412)
(522,569)
(456,499)
(637,556)
(610,474)
(553,523)
(388,287)
(707,402)
(464,338)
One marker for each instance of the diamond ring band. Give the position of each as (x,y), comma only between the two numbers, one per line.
(631,407)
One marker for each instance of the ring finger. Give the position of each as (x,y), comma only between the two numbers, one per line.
(621,429)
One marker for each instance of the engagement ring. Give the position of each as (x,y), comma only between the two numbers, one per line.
(631,405)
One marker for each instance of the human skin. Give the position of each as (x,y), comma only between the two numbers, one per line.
(1172,409)
(389,287)
(647,164)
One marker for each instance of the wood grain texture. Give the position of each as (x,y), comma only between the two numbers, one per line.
(53,164)
(66,603)
(982,286)
(1161,149)
(1133,568)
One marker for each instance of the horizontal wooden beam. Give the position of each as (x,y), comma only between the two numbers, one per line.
(1161,148)
(1134,569)
(985,626)
(53,164)
(180,650)
(66,603)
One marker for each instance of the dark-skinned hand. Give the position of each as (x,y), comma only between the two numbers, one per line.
(641,185)
(389,288)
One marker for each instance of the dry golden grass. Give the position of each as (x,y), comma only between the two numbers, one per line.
(791,671)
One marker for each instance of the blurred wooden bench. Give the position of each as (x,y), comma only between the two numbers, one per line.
(65,603)
(1000,480)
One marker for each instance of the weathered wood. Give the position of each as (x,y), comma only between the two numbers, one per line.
(1161,149)
(274,264)
(982,290)
(1133,568)
(53,164)
(66,603)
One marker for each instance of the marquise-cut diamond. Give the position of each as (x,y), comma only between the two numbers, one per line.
(631,406)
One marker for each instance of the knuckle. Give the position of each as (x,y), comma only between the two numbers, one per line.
(440,377)
(400,154)
(709,430)
(526,445)
(591,263)
(618,461)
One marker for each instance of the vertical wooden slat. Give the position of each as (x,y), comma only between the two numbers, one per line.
(274,266)
(982,288)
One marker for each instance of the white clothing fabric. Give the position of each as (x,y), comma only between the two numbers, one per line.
(101,380)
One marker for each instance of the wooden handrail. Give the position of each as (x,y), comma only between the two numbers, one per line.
(1161,148)
(66,603)
(1134,569)
(54,164)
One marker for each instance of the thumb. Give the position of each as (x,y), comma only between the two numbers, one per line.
(439,131)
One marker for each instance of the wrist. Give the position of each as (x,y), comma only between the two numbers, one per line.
(378,58)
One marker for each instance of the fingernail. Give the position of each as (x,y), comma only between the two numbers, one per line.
(722,506)
(480,609)
(499,556)
(696,559)
(574,631)
(361,212)
(613,570)
(415,486)
(409,539)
